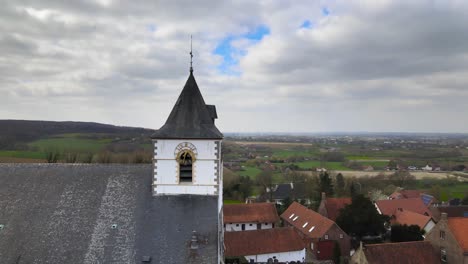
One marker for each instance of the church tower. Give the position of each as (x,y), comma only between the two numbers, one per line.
(187,148)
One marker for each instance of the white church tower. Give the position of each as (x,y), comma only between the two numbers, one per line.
(187,149)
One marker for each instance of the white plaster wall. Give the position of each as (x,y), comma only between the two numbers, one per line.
(248,226)
(429,226)
(281,256)
(205,148)
(205,181)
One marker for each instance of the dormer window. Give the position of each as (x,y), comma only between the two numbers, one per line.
(185,166)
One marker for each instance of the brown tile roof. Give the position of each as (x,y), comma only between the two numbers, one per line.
(253,242)
(250,213)
(405,217)
(310,223)
(416,252)
(333,206)
(459,228)
(389,207)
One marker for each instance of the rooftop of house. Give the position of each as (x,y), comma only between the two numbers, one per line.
(405,217)
(389,207)
(263,241)
(190,118)
(333,206)
(96,213)
(459,228)
(250,213)
(405,194)
(417,252)
(451,210)
(310,223)
(286,190)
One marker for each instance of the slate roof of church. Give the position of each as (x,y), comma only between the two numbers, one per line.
(190,118)
(58,213)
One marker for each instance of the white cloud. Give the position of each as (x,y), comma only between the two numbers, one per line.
(366,66)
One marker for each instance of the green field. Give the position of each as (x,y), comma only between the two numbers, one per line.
(317,164)
(286,153)
(69,144)
(376,164)
(457,191)
(252,172)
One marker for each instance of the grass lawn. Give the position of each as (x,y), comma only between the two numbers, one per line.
(252,172)
(457,191)
(70,144)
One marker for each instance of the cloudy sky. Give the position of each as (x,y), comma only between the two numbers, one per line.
(277,66)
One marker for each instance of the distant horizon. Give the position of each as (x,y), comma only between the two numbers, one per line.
(276,133)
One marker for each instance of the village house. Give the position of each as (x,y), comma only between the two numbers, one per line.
(450,237)
(284,191)
(417,252)
(320,234)
(405,194)
(330,207)
(252,216)
(260,246)
(409,194)
(405,217)
(390,207)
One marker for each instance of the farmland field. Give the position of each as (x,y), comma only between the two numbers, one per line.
(69,144)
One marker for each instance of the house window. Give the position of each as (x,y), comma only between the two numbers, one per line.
(250,224)
(442,235)
(312,245)
(185,166)
(237,224)
(326,236)
(341,235)
(443,255)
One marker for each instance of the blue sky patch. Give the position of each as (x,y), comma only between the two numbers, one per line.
(231,54)
(306,24)
(325,11)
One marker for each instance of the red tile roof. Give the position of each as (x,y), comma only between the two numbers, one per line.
(250,213)
(459,228)
(333,206)
(310,223)
(263,241)
(405,217)
(405,194)
(389,207)
(416,252)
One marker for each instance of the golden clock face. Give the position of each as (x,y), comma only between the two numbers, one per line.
(185,152)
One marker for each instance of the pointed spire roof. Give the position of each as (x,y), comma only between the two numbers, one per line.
(190,118)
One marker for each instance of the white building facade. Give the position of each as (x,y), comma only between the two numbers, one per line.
(282,257)
(206,167)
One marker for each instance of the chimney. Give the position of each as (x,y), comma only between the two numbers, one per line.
(324,196)
(194,241)
(443,216)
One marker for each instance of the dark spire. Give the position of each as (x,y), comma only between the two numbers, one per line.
(191,56)
(190,118)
